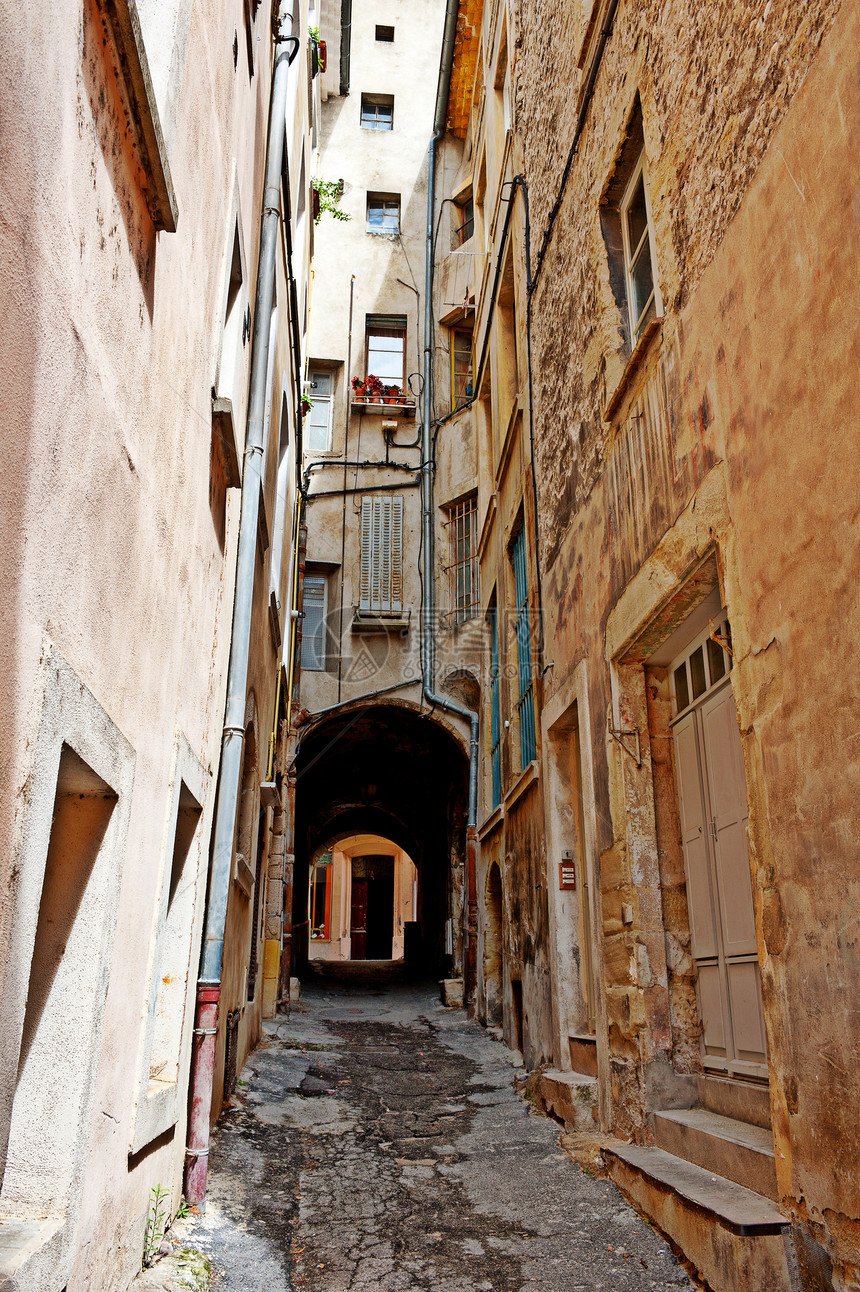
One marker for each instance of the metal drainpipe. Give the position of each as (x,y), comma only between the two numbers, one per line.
(470,896)
(209,982)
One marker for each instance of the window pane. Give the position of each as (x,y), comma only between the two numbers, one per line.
(461,358)
(376,116)
(697,673)
(375,216)
(642,285)
(682,692)
(637,216)
(317,424)
(320,384)
(385,357)
(716,660)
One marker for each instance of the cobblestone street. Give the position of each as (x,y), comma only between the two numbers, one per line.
(378,1142)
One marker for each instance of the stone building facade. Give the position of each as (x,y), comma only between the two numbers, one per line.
(132,168)
(653,248)
(368,755)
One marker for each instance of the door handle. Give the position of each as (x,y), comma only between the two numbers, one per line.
(714,828)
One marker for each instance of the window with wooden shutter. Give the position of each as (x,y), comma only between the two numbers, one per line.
(313,628)
(381,588)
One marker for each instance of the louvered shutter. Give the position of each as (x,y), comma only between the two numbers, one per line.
(381,589)
(397,555)
(313,628)
(366,553)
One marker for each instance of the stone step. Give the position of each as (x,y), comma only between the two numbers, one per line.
(748,1101)
(571,1097)
(736,1239)
(737,1150)
(583,1054)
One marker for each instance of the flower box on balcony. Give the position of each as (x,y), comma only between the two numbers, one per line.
(384,405)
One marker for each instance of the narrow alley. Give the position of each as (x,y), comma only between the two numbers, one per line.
(378,1142)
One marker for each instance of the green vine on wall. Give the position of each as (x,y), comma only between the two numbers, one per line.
(329,193)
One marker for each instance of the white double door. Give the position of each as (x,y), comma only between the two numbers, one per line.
(713,803)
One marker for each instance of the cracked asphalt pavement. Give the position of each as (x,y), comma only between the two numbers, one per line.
(378,1142)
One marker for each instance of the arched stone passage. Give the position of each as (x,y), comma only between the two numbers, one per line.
(493,934)
(395,771)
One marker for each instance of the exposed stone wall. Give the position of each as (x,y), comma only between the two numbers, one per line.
(710,107)
(734,433)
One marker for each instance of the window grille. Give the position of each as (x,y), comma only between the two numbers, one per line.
(381,590)
(377,112)
(314,626)
(495,709)
(525,703)
(463,567)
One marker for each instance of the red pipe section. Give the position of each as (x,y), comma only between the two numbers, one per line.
(202,1075)
(471,950)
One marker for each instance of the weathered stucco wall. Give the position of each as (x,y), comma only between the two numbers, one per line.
(114,555)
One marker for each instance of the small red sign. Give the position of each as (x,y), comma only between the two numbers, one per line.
(567,874)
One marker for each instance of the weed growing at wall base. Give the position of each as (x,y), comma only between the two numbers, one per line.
(156,1223)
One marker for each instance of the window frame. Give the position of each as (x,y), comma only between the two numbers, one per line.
(525,703)
(466,216)
(395,325)
(466,398)
(381,556)
(318,400)
(327,867)
(462,524)
(495,706)
(632,255)
(319,637)
(385,200)
(375,102)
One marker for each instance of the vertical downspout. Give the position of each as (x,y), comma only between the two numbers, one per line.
(428,609)
(233,739)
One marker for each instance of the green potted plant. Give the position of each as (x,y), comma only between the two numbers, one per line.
(392,394)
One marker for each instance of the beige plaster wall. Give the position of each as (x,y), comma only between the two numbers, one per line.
(353,266)
(110,555)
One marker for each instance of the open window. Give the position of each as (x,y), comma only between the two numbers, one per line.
(385,349)
(637,231)
(319,912)
(628,232)
(462,375)
(464,220)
